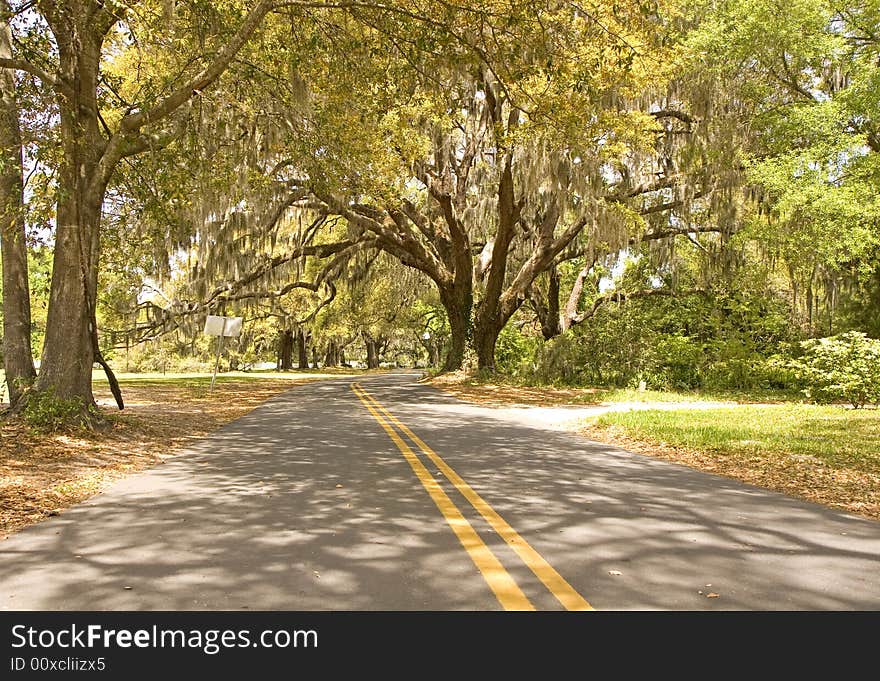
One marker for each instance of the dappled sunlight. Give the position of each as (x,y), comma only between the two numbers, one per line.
(311,506)
(43,473)
(604,507)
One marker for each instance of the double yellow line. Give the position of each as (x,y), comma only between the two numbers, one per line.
(499,580)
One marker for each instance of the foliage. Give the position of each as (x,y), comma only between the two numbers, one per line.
(810,102)
(720,340)
(45,411)
(843,367)
(514,351)
(765,144)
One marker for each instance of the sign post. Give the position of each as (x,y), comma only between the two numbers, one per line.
(222,327)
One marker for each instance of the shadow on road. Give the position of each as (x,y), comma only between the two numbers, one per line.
(306,504)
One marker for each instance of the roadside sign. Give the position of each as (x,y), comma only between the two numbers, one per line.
(222,327)
(230,327)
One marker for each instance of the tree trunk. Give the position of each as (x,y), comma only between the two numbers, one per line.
(432,347)
(68,354)
(372,352)
(485,340)
(69,349)
(489,316)
(458,304)
(547,310)
(285,350)
(302,349)
(551,327)
(18,357)
(331,358)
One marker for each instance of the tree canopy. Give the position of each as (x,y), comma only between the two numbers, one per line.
(472,185)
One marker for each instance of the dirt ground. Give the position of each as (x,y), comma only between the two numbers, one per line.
(42,474)
(502,395)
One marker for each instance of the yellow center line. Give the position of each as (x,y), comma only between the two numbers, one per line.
(555,583)
(509,595)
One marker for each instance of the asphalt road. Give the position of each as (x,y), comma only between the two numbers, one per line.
(321,500)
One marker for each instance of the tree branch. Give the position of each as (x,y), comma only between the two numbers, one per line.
(27,67)
(203,79)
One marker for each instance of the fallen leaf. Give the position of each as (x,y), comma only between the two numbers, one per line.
(338,486)
(712,595)
(127,588)
(615,572)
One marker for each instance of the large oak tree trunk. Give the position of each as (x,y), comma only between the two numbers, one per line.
(69,350)
(302,349)
(18,358)
(285,350)
(372,352)
(458,302)
(485,339)
(68,354)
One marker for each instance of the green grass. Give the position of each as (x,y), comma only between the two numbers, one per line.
(838,436)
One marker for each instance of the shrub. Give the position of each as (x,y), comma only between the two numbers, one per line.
(843,367)
(513,350)
(46,411)
(673,362)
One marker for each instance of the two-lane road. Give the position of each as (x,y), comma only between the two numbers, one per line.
(390,495)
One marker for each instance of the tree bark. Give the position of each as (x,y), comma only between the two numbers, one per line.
(302,349)
(18,360)
(372,352)
(331,357)
(485,339)
(285,350)
(68,352)
(458,302)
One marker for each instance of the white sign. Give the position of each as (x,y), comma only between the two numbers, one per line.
(223,326)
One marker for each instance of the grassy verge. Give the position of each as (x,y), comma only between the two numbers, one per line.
(41,474)
(502,391)
(828,454)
